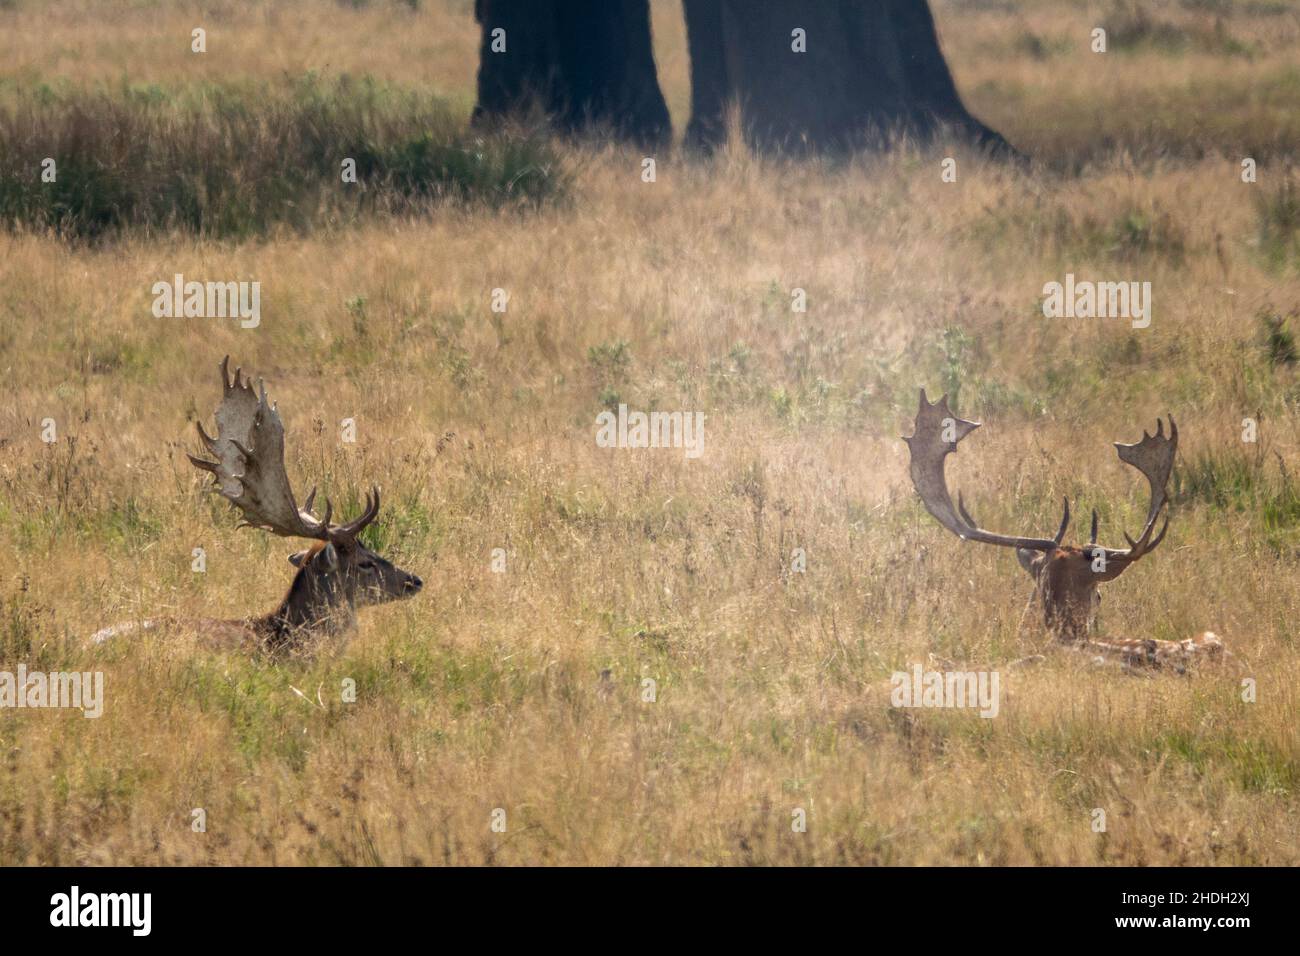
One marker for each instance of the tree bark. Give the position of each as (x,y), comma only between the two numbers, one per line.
(872,69)
(584,65)
(711,91)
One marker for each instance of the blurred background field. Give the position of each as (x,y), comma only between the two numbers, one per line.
(523,690)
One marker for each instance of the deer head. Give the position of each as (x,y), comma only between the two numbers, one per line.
(1065,576)
(335,575)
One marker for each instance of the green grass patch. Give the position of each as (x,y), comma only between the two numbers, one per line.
(235,161)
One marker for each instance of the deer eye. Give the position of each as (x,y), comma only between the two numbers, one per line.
(365,565)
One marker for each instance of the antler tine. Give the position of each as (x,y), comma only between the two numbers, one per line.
(1145,542)
(357,525)
(211,445)
(1160,537)
(209,442)
(928,447)
(961,510)
(308,513)
(1092,536)
(1065,521)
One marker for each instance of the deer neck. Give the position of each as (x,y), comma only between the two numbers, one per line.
(1067,605)
(1066,626)
(313,604)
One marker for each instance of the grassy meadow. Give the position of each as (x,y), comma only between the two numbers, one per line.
(524,690)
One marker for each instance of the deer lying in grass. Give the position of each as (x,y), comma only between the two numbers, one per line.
(1065,576)
(336,575)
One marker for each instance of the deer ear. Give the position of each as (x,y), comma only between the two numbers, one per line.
(298,557)
(328,556)
(1029,560)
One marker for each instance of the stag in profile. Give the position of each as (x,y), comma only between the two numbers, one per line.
(336,575)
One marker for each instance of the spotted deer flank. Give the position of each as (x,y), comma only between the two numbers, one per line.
(336,574)
(1066,577)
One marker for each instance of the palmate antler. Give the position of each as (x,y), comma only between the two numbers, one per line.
(1154,457)
(936,436)
(249,468)
(937,433)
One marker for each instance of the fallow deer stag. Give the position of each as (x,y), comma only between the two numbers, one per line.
(336,575)
(1065,576)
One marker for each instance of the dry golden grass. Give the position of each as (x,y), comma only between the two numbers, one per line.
(486,690)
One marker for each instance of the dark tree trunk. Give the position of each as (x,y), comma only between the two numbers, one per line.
(872,68)
(710,87)
(583,64)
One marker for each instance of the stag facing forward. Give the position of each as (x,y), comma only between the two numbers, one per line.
(1066,577)
(336,575)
